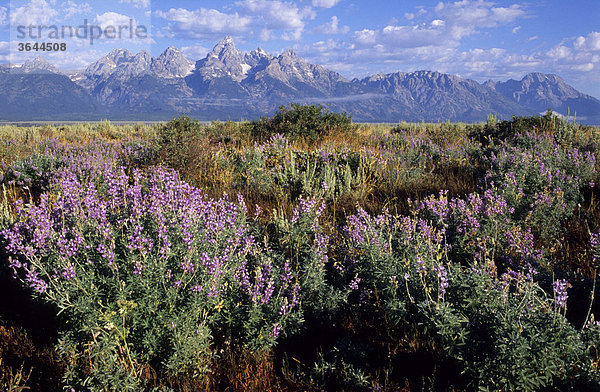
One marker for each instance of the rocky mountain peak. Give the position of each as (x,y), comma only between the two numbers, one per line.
(289,54)
(224,61)
(540,91)
(38,65)
(118,56)
(257,56)
(143,58)
(174,63)
(225,50)
(171,51)
(260,52)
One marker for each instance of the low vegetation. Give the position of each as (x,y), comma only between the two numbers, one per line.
(301,252)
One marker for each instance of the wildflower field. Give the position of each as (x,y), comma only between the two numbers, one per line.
(300,252)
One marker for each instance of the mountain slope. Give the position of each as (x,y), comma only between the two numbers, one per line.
(231,84)
(540,92)
(139,83)
(437,96)
(45,96)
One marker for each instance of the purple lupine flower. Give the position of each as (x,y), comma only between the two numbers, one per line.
(594,243)
(286,274)
(291,301)
(354,283)
(138,269)
(321,246)
(275,331)
(420,266)
(35,282)
(560,287)
(442,280)
(263,284)
(258,211)
(188,267)
(69,272)
(213,293)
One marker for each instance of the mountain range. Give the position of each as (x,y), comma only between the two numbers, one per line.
(231,84)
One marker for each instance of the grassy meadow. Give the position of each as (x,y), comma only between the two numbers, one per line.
(300,252)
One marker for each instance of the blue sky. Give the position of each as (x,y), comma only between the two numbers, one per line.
(477,39)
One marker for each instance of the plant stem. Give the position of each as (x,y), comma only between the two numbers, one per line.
(587,317)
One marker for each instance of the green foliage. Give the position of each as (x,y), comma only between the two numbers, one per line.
(274,169)
(301,121)
(176,141)
(33,172)
(507,338)
(563,130)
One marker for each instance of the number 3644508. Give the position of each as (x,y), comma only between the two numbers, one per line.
(42,46)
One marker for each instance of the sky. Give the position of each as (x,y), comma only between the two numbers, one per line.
(476,39)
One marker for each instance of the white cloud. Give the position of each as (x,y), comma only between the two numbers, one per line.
(328,46)
(262,19)
(124,28)
(325,3)
(479,13)
(413,36)
(394,38)
(589,43)
(266,35)
(278,15)
(560,52)
(137,3)
(413,15)
(573,63)
(203,23)
(113,19)
(465,17)
(451,24)
(332,27)
(587,67)
(3,17)
(434,41)
(36,12)
(195,52)
(366,36)
(478,60)
(71,8)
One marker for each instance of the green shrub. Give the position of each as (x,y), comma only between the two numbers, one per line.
(301,121)
(176,141)
(508,338)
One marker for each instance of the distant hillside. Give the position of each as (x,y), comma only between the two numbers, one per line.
(39,96)
(231,84)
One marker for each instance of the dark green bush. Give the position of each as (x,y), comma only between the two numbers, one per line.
(499,131)
(176,140)
(298,121)
(507,338)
